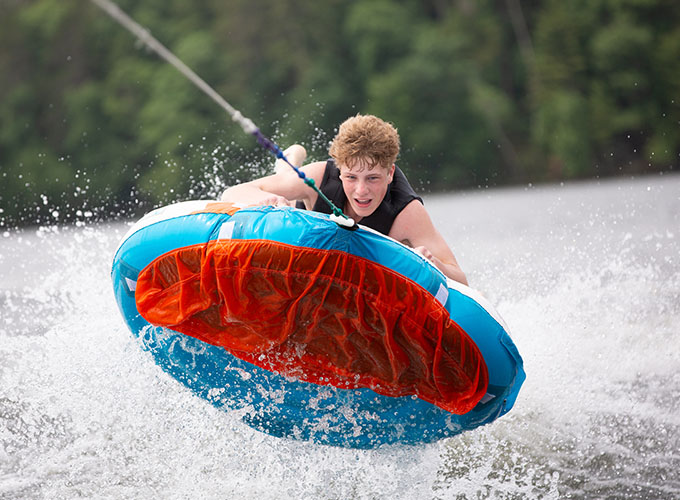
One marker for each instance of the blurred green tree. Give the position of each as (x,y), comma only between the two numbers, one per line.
(483,92)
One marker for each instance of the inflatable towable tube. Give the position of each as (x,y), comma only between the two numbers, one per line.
(311,330)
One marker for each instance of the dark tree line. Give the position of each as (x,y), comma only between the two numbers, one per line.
(483,92)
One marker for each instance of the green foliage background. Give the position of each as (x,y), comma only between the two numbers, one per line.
(483,92)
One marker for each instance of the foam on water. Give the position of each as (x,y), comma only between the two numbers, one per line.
(595,273)
(587,276)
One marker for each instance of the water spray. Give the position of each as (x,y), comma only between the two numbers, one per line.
(246,123)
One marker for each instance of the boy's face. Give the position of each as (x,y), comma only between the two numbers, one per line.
(365,185)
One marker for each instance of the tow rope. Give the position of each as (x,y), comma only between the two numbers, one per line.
(246,123)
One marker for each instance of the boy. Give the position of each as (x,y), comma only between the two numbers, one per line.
(362,180)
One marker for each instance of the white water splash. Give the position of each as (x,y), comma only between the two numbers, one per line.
(587,276)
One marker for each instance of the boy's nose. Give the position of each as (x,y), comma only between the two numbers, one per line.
(362,187)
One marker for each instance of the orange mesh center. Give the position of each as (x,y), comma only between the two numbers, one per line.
(321,316)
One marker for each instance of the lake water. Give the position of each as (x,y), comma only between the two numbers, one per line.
(587,275)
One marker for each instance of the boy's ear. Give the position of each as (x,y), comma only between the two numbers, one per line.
(390,175)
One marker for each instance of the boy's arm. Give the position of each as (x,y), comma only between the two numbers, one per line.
(414,226)
(281,188)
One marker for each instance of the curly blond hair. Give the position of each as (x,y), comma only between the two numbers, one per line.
(365,137)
